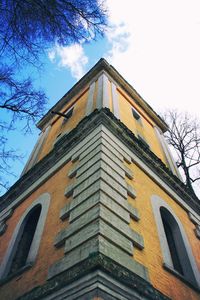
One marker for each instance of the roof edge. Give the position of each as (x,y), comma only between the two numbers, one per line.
(101,65)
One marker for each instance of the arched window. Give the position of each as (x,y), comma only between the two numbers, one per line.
(176,250)
(174,240)
(24,244)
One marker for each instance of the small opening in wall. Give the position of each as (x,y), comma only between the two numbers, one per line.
(136,114)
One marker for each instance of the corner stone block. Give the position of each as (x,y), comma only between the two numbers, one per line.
(122,258)
(137,240)
(91,190)
(134,213)
(83,207)
(91,148)
(127,158)
(82,168)
(111,149)
(128,172)
(65,211)
(85,219)
(72,172)
(131,192)
(69,190)
(77,255)
(75,157)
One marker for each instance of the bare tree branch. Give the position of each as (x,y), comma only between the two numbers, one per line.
(27,29)
(184,136)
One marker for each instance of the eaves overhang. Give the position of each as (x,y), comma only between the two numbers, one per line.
(69,141)
(103,65)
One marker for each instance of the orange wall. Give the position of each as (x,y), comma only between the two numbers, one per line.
(79,103)
(146,129)
(151,255)
(47,253)
(125,103)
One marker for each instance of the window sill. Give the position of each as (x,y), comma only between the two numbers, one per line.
(181,277)
(15,274)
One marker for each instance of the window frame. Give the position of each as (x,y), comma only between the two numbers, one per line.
(192,276)
(44,201)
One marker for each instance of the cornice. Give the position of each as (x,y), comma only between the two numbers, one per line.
(85,126)
(96,262)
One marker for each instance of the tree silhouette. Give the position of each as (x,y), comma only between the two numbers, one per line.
(184,137)
(27,29)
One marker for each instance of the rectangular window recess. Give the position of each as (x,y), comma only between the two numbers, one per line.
(68,114)
(143,141)
(136,114)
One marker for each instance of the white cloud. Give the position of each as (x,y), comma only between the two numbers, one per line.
(118,36)
(70,57)
(155,45)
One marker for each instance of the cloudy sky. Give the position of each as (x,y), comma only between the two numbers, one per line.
(155,45)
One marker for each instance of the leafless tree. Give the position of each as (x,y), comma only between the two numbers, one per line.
(184,137)
(27,29)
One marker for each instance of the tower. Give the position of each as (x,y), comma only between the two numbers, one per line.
(100,211)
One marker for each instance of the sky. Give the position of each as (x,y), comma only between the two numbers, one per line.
(154,45)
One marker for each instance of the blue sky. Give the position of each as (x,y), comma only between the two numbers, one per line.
(154,44)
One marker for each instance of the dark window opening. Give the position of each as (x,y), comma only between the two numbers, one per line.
(172,246)
(135,114)
(24,244)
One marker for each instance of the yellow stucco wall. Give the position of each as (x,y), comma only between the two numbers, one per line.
(145,128)
(47,253)
(151,255)
(79,102)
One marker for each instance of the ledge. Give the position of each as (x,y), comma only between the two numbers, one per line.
(96,262)
(86,126)
(15,274)
(181,277)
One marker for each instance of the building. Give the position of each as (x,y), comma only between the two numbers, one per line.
(100,211)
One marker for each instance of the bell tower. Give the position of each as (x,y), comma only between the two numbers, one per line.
(100,211)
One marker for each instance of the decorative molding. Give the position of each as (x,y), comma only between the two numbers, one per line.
(90,100)
(97,270)
(36,151)
(103,66)
(115,101)
(99,100)
(167,153)
(71,143)
(196,222)
(4,216)
(99,214)
(105,91)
